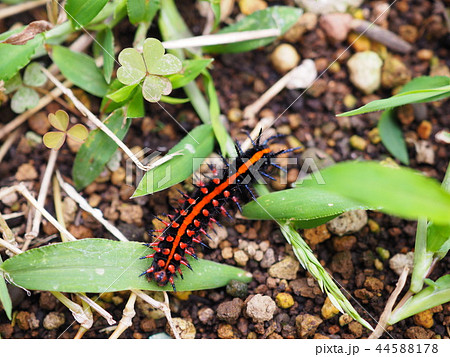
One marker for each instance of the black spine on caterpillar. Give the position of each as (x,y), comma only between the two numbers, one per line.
(203,208)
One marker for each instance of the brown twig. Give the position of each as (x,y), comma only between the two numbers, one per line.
(383,322)
(379,34)
(17,9)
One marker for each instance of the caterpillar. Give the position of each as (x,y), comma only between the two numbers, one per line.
(203,207)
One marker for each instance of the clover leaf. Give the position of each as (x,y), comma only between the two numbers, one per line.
(60,121)
(25,97)
(152,65)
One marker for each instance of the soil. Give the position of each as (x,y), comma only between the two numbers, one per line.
(240,79)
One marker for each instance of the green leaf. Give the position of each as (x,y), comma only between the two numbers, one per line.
(156,61)
(421,89)
(136,106)
(15,57)
(195,147)
(399,191)
(98,149)
(25,98)
(303,205)
(155,86)
(275,17)
(107,105)
(436,294)
(392,136)
(106,40)
(101,265)
(13,84)
(5,299)
(81,12)
(191,69)
(438,238)
(133,67)
(172,100)
(33,75)
(142,10)
(226,143)
(81,70)
(123,93)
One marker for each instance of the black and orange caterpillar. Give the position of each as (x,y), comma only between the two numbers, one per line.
(201,209)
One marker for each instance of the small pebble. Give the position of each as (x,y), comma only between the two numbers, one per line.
(356,328)
(227,253)
(358,143)
(424,129)
(54,320)
(342,263)
(383,253)
(405,114)
(240,257)
(350,101)
(348,222)
(359,43)
(424,152)
(373,226)
(425,55)
(10,198)
(418,332)
(205,314)
(373,284)
(336,26)
(284,300)
(378,264)
(394,73)
(148,325)
(345,319)
(26,172)
(399,261)
(225,331)
(70,209)
(261,308)
(268,259)
(235,115)
(409,33)
(237,289)
(286,269)
(307,325)
(248,7)
(6,330)
(317,234)
(328,309)
(229,311)
(424,319)
(118,176)
(365,71)
(39,123)
(284,58)
(185,328)
(47,300)
(131,213)
(343,243)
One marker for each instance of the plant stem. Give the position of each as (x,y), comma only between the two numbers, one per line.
(127,317)
(41,198)
(220,39)
(422,257)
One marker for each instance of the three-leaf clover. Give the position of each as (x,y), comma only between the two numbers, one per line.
(25,97)
(152,64)
(60,121)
